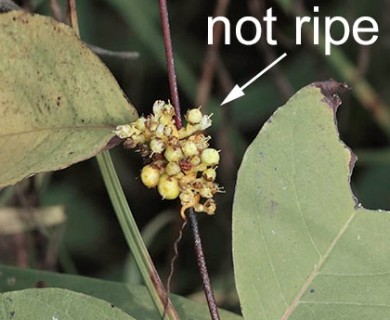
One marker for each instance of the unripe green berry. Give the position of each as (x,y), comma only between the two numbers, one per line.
(168,187)
(172,169)
(157,145)
(150,176)
(194,116)
(210,157)
(189,148)
(173,154)
(209,174)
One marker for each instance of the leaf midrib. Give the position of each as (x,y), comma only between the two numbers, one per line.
(65,128)
(316,270)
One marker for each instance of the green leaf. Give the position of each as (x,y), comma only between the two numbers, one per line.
(56,304)
(58,102)
(303,248)
(133,299)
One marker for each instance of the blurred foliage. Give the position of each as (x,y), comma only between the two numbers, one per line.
(93,243)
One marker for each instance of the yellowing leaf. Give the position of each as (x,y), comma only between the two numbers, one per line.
(58,102)
(56,304)
(303,247)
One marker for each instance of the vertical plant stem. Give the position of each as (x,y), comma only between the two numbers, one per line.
(202,266)
(170,61)
(175,98)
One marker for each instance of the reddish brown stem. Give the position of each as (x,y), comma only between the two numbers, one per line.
(175,99)
(170,61)
(208,290)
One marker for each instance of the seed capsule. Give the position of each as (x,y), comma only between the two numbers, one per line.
(168,187)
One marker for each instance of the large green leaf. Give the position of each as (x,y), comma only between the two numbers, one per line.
(303,247)
(133,299)
(56,304)
(58,102)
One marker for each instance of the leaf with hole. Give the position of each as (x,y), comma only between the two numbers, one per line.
(303,247)
(58,102)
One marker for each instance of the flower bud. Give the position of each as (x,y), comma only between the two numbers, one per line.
(157,145)
(158,107)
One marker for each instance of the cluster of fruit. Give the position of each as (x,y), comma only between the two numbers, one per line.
(181,164)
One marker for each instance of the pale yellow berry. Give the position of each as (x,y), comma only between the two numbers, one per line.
(168,187)
(173,154)
(189,148)
(150,176)
(209,174)
(194,116)
(195,160)
(210,157)
(172,169)
(157,145)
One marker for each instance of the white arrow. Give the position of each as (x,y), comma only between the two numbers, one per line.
(238,91)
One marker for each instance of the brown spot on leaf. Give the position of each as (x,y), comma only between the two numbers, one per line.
(330,90)
(40,284)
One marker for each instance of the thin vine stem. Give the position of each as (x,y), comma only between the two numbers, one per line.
(191,214)
(208,290)
(170,62)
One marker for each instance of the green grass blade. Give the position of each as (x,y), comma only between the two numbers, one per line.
(132,234)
